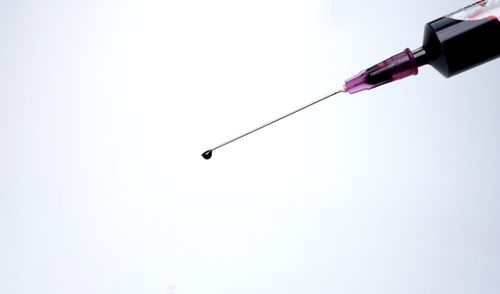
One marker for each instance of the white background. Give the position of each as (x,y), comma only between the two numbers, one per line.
(106,106)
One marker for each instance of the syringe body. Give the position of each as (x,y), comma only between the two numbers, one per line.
(452,44)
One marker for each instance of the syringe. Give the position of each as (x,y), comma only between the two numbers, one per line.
(452,44)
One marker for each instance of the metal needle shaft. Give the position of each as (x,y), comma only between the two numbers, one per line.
(207,154)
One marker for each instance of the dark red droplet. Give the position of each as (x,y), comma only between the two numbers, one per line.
(207,154)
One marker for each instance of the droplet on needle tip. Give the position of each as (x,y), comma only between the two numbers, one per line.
(207,154)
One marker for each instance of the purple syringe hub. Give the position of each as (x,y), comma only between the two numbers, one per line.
(394,68)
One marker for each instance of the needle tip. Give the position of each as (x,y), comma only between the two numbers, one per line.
(207,154)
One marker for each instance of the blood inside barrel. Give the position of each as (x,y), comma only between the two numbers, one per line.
(453,46)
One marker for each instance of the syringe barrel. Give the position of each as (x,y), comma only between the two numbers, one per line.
(463,39)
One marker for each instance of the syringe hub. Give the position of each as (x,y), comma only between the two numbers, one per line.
(394,68)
